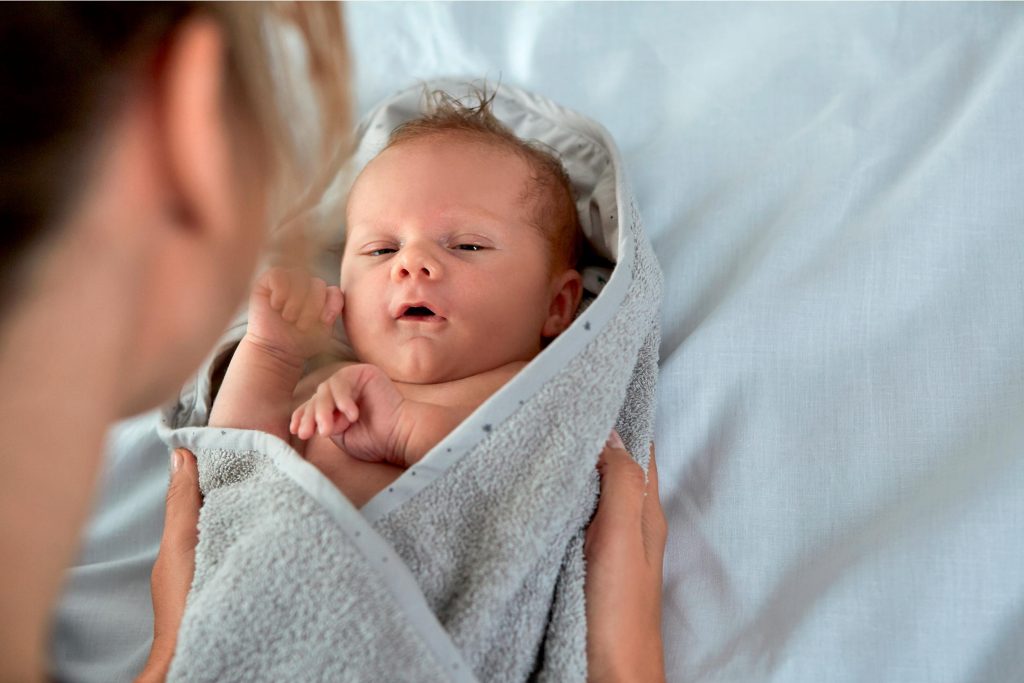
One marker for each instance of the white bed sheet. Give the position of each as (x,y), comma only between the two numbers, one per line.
(833,192)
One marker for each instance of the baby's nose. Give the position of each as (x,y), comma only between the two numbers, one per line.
(416,263)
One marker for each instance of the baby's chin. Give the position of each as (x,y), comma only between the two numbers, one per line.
(417,370)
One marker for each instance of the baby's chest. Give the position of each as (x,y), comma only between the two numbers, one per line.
(357,479)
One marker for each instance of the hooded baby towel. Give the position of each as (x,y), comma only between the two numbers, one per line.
(470,566)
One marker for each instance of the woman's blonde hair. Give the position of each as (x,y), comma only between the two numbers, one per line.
(64,68)
(297,82)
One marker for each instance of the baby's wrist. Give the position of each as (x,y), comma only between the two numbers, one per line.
(404,448)
(422,426)
(411,457)
(273,354)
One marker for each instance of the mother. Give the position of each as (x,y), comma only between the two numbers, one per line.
(145,154)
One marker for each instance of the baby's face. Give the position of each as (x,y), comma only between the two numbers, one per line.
(442,224)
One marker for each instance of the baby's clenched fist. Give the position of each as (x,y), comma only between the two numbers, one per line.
(292,313)
(361,410)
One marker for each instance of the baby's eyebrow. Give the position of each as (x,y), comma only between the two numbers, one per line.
(367,225)
(371,230)
(367,231)
(475,214)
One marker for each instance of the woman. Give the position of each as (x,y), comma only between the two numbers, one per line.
(146,149)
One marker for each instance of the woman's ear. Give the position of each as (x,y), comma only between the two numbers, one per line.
(195,241)
(566,290)
(192,127)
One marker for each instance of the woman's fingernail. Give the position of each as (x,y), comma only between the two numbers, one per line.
(614,441)
(175,460)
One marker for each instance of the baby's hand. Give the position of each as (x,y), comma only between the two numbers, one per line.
(292,314)
(360,408)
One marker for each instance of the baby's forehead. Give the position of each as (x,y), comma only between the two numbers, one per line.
(469,144)
(471,148)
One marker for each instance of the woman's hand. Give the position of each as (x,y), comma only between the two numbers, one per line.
(175,563)
(625,549)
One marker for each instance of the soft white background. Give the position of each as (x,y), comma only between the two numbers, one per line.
(834,194)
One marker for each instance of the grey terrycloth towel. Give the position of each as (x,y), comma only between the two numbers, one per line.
(470,567)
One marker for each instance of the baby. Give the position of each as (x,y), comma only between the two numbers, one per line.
(458,267)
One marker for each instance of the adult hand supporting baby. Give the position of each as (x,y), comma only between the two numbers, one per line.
(175,563)
(625,549)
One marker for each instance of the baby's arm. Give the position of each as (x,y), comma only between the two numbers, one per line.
(290,319)
(367,416)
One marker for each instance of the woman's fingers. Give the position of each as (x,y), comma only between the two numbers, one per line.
(175,561)
(181,516)
(652,474)
(624,549)
(654,524)
(622,485)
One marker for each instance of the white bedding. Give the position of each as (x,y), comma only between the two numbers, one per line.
(833,192)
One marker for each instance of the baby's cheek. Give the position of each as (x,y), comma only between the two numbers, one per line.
(355,329)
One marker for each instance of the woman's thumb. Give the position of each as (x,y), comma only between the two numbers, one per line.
(181,518)
(175,562)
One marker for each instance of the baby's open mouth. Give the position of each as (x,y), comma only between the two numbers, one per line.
(418,310)
(420,314)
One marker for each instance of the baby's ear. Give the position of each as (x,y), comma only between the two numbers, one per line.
(566,290)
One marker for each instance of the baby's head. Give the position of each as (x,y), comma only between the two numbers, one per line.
(461,248)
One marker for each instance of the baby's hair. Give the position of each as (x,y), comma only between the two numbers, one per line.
(551,192)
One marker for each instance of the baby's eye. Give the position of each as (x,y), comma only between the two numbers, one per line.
(380,252)
(469,247)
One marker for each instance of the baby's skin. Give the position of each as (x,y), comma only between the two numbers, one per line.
(448,292)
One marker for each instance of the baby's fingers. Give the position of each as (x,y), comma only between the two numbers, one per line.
(314,304)
(298,285)
(276,280)
(342,390)
(297,415)
(338,424)
(333,305)
(347,412)
(307,423)
(324,409)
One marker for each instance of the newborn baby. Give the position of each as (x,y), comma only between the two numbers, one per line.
(458,267)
